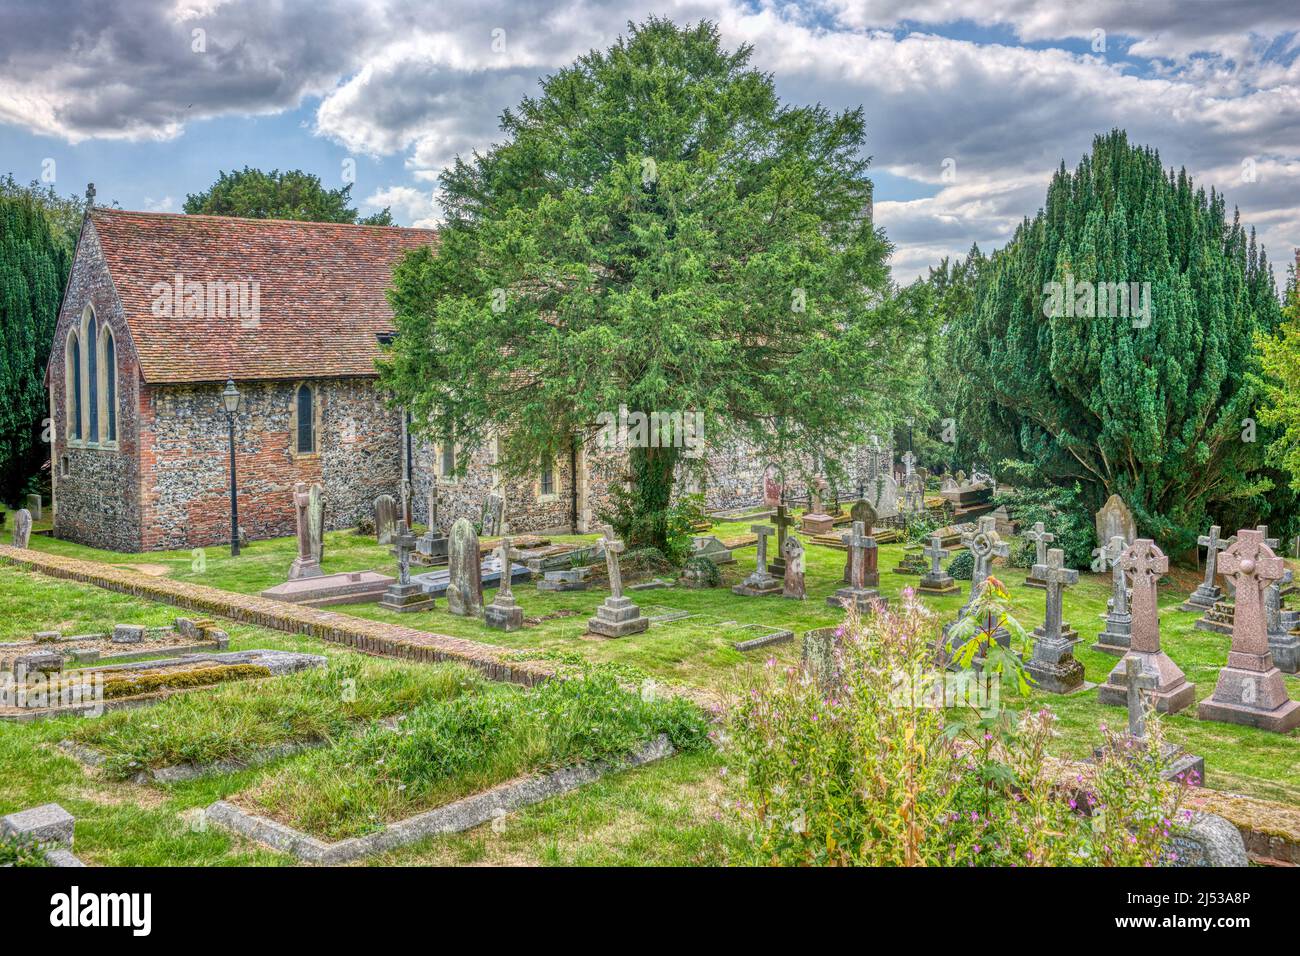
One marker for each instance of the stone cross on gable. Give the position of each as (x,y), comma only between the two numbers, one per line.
(1136,681)
(1145,562)
(936,553)
(90,194)
(405,542)
(1041,539)
(764,531)
(857,543)
(1212,544)
(1057,577)
(613,548)
(1252,566)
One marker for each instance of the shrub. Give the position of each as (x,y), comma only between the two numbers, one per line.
(702,572)
(962,566)
(20,852)
(868,769)
(1062,512)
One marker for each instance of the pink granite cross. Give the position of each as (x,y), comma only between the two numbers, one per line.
(1146,563)
(1252,566)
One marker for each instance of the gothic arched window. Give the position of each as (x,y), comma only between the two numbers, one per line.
(72,380)
(92,375)
(108,389)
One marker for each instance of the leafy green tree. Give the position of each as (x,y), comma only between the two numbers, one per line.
(655,230)
(1280,381)
(36,243)
(293,194)
(1149,403)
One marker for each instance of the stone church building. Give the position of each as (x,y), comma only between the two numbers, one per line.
(161,310)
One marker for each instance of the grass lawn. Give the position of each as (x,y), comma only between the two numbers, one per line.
(662,813)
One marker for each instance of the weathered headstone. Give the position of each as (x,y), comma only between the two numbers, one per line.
(385,519)
(432,546)
(1283,643)
(309,516)
(617,616)
(1250,689)
(1172,692)
(818,656)
(404,595)
(882,493)
(936,581)
(22,528)
(857,594)
(504,613)
(1117,634)
(1115,520)
(128,634)
(792,552)
(1041,538)
(773,486)
(494,507)
(816,520)
(1175,764)
(465,582)
(761,582)
(863,512)
(1207,593)
(1052,664)
(34,506)
(709,546)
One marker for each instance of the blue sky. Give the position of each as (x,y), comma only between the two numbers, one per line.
(968,112)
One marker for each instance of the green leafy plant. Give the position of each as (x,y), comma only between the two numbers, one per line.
(20,852)
(962,566)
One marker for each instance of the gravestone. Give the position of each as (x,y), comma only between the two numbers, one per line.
(34,506)
(385,519)
(1041,538)
(1175,764)
(1207,593)
(465,571)
(1116,636)
(818,656)
(404,595)
(708,546)
(617,616)
(432,546)
(782,522)
(128,634)
(1250,689)
(857,594)
(494,507)
(936,581)
(404,491)
(504,613)
(761,582)
(984,544)
(882,493)
(862,511)
(792,552)
(773,486)
(309,517)
(22,528)
(1283,644)
(816,520)
(1115,520)
(1052,663)
(1172,692)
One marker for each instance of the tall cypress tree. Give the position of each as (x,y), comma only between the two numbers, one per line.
(35,256)
(1151,406)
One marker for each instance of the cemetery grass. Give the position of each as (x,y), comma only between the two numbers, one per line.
(697,651)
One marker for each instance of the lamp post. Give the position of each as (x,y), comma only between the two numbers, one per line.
(230,399)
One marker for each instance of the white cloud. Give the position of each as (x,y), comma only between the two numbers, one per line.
(408,204)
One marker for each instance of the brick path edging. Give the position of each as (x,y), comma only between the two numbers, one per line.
(371,637)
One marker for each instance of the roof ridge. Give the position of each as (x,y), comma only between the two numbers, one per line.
(111,210)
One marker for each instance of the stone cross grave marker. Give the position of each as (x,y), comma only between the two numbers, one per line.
(493,513)
(504,613)
(22,528)
(1041,539)
(857,593)
(782,522)
(984,544)
(404,595)
(1172,692)
(617,616)
(1053,664)
(909,463)
(761,582)
(1117,635)
(1250,689)
(1207,593)
(1283,644)
(308,508)
(936,581)
(1135,681)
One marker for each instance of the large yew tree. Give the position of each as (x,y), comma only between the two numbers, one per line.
(1157,412)
(655,230)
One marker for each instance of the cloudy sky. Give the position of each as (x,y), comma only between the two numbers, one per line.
(968,112)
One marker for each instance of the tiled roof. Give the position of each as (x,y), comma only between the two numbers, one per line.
(320,293)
